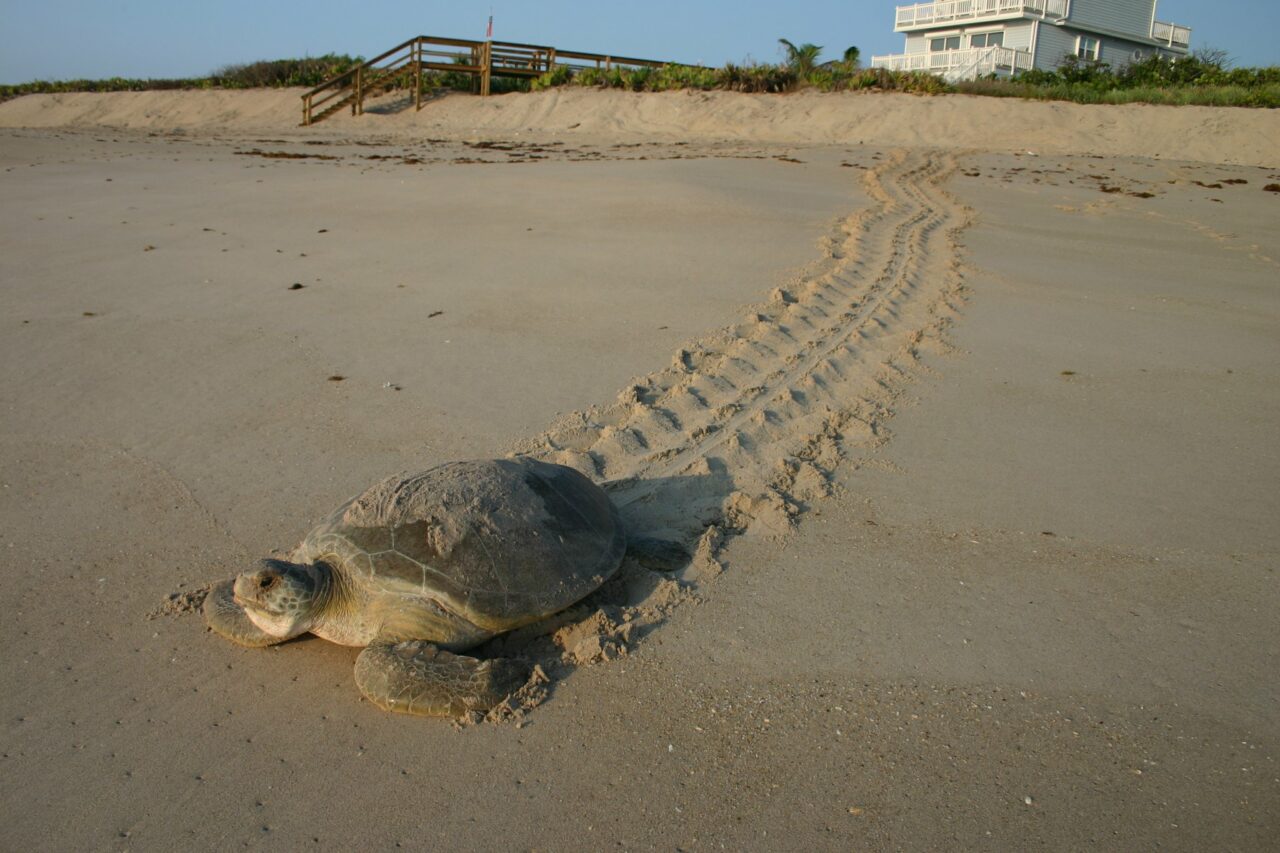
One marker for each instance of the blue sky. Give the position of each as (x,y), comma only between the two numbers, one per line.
(65,39)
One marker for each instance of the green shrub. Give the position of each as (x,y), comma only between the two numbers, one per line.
(561,75)
(311,71)
(637,80)
(802,59)
(670,77)
(1199,79)
(113,84)
(761,78)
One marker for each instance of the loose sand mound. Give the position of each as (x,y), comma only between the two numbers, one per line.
(1220,135)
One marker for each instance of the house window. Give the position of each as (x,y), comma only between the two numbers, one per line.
(987,40)
(1087,48)
(948,43)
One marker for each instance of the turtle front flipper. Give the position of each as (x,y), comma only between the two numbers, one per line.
(225,617)
(417,677)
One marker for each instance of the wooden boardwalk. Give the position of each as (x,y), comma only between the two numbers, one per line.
(482,59)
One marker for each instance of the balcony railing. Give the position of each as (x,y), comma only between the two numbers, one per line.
(957,11)
(959,64)
(1171,34)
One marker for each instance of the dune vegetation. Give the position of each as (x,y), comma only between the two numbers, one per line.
(1205,78)
(310,71)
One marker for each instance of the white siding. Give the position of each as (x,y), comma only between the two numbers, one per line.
(1017,35)
(1118,53)
(1054,43)
(1124,17)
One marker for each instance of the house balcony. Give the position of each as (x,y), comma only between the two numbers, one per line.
(925,15)
(1171,34)
(955,65)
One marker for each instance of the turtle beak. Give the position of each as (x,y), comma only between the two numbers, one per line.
(246,585)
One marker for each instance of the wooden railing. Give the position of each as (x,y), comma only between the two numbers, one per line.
(1171,34)
(958,64)
(482,59)
(948,11)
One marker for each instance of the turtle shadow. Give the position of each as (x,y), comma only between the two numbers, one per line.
(618,619)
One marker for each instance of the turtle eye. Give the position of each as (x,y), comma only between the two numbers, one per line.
(267,582)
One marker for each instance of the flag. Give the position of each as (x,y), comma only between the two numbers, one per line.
(489,32)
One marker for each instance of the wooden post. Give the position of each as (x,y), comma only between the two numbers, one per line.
(355,96)
(486,67)
(306,111)
(417,75)
(551,60)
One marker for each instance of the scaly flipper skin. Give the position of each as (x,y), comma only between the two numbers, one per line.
(417,677)
(227,618)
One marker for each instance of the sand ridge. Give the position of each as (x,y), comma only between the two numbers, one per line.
(1207,134)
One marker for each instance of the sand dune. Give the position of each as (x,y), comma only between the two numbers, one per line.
(1238,136)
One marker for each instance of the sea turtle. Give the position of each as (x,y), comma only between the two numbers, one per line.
(422,566)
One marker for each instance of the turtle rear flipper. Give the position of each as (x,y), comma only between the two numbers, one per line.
(417,677)
(225,617)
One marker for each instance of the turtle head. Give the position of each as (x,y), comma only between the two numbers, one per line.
(283,599)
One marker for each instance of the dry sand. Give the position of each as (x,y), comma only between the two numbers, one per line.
(1212,135)
(976,446)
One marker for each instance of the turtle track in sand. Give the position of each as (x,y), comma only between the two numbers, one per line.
(747,426)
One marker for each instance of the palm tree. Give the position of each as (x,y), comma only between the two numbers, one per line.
(801,59)
(851,56)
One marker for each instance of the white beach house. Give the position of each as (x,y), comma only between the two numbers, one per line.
(964,39)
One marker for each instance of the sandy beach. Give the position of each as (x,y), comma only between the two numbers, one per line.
(965,408)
